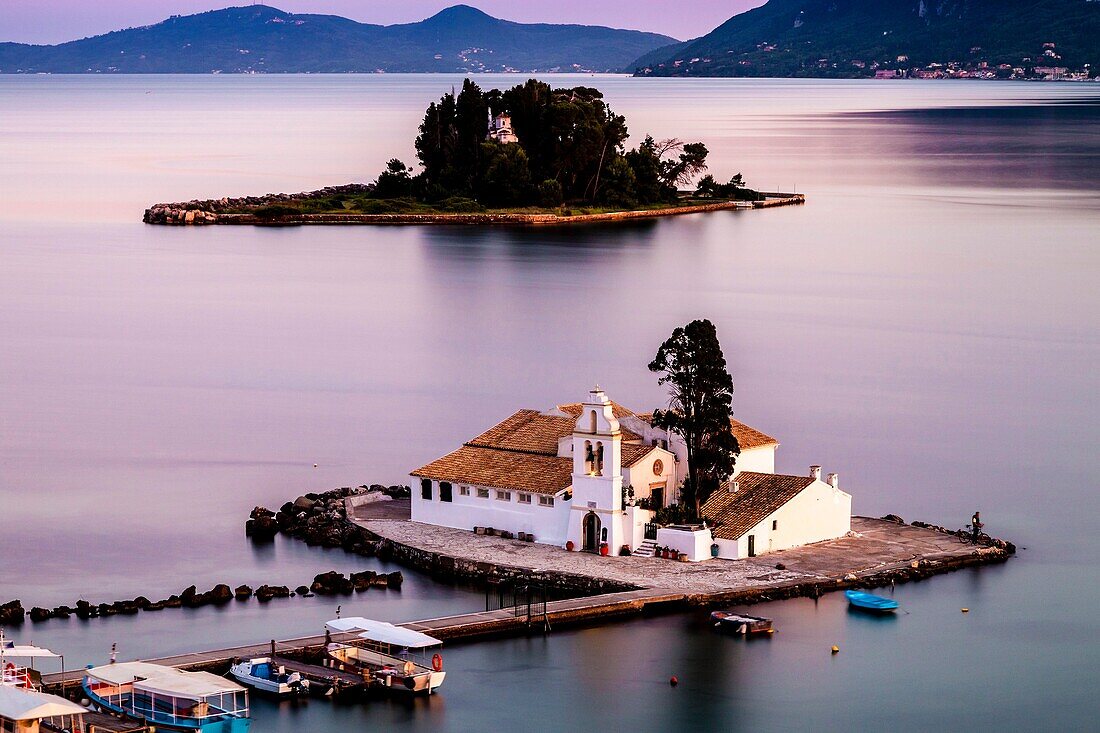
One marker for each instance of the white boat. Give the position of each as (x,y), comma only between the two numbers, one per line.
(19,675)
(169,698)
(266,676)
(397,658)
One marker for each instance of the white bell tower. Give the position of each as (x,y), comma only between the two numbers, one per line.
(596,516)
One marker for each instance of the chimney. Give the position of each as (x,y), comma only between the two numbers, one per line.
(815,472)
(734,487)
(834,480)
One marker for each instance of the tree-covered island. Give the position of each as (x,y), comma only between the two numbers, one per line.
(531,153)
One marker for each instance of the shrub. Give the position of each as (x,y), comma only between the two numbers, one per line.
(276,211)
(460,205)
(550,194)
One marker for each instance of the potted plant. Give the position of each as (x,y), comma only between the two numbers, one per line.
(604,550)
(569,545)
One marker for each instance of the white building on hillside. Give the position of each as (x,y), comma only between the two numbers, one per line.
(590,476)
(500,129)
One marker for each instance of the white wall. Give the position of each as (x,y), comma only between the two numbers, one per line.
(696,545)
(548,524)
(758,460)
(817,513)
(640,476)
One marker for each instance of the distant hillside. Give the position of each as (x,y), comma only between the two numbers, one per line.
(263,39)
(851,37)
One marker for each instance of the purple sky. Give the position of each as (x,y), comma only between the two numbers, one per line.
(53,21)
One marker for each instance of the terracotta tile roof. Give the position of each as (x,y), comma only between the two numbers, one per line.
(747,437)
(527,431)
(634,452)
(574,409)
(750,437)
(759,494)
(501,469)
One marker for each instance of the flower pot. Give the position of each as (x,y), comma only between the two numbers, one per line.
(569,545)
(604,549)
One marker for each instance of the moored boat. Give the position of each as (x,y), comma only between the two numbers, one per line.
(169,698)
(19,675)
(870,602)
(267,676)
(737,623)
(394,657)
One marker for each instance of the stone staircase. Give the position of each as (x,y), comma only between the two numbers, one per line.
(646,549)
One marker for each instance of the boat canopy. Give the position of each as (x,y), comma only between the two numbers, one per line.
(24,651)
(167,681)
(17,703)
(384,632)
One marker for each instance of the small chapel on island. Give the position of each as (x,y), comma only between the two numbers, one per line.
(590,476)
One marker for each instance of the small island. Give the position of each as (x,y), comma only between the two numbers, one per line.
(528,155)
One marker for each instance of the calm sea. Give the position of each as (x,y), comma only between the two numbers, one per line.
(927,326)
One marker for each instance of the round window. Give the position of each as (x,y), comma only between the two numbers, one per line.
(658,467)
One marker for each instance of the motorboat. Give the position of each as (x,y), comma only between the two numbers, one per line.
(394,657)
(739,623)
(169,698)
(266,675)
(870,602)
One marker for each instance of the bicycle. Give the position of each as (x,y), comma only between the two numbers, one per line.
(966,536)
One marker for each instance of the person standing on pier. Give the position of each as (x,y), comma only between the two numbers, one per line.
(976,526)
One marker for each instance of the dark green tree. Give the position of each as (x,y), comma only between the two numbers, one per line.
(507,178)
(700,405)
(394,182)
(646,164)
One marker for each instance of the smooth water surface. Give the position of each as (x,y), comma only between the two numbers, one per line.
(926,326)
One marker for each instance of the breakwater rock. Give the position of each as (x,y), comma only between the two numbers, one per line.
(321,519)
(12,613)
(208,211)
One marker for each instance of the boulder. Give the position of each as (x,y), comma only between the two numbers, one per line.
(266,592)
(190,597)
(12,613)
(331,583)
(142,602)
(38,614)
(302,590)
(219,595)
(242,592)
(361,581)
(894,518)
(304,503)
(394,580)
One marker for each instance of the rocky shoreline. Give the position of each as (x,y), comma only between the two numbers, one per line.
(227,211)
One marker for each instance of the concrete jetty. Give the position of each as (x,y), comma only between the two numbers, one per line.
(878,552)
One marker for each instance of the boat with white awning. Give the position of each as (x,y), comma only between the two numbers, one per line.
(29,711)
(20,675)
(168,697)
(395,657)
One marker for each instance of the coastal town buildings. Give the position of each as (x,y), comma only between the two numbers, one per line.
(592,476)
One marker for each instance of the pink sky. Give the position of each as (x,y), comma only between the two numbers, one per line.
(53,21)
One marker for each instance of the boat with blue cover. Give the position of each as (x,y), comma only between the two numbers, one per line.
(265,675)
(870,602)
(169,698)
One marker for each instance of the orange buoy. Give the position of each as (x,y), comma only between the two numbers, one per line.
(835,649)
(673,681)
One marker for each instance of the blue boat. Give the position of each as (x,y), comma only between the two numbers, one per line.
(870,602)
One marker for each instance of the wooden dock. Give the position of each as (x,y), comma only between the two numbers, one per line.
(448,628)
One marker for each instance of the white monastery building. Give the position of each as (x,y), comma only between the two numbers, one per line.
(500,129)
(590,476)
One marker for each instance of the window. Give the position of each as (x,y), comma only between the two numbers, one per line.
(546,501)
(775,524)
(483,493)
(426,489)
(504,495)
(463,490)
(444,491)
(524,499)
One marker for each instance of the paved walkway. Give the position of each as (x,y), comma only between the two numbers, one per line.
(878,545)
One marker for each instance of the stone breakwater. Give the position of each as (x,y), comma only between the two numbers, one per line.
(227,211)
(216,211)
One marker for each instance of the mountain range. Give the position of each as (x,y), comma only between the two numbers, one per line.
(852,37)
(259,39)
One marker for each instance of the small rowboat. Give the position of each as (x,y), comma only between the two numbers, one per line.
(737,623)
(870,602)
(265,675)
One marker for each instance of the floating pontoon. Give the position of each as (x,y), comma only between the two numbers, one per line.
(392,656)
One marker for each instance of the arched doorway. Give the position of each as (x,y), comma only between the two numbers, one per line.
(590,532)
